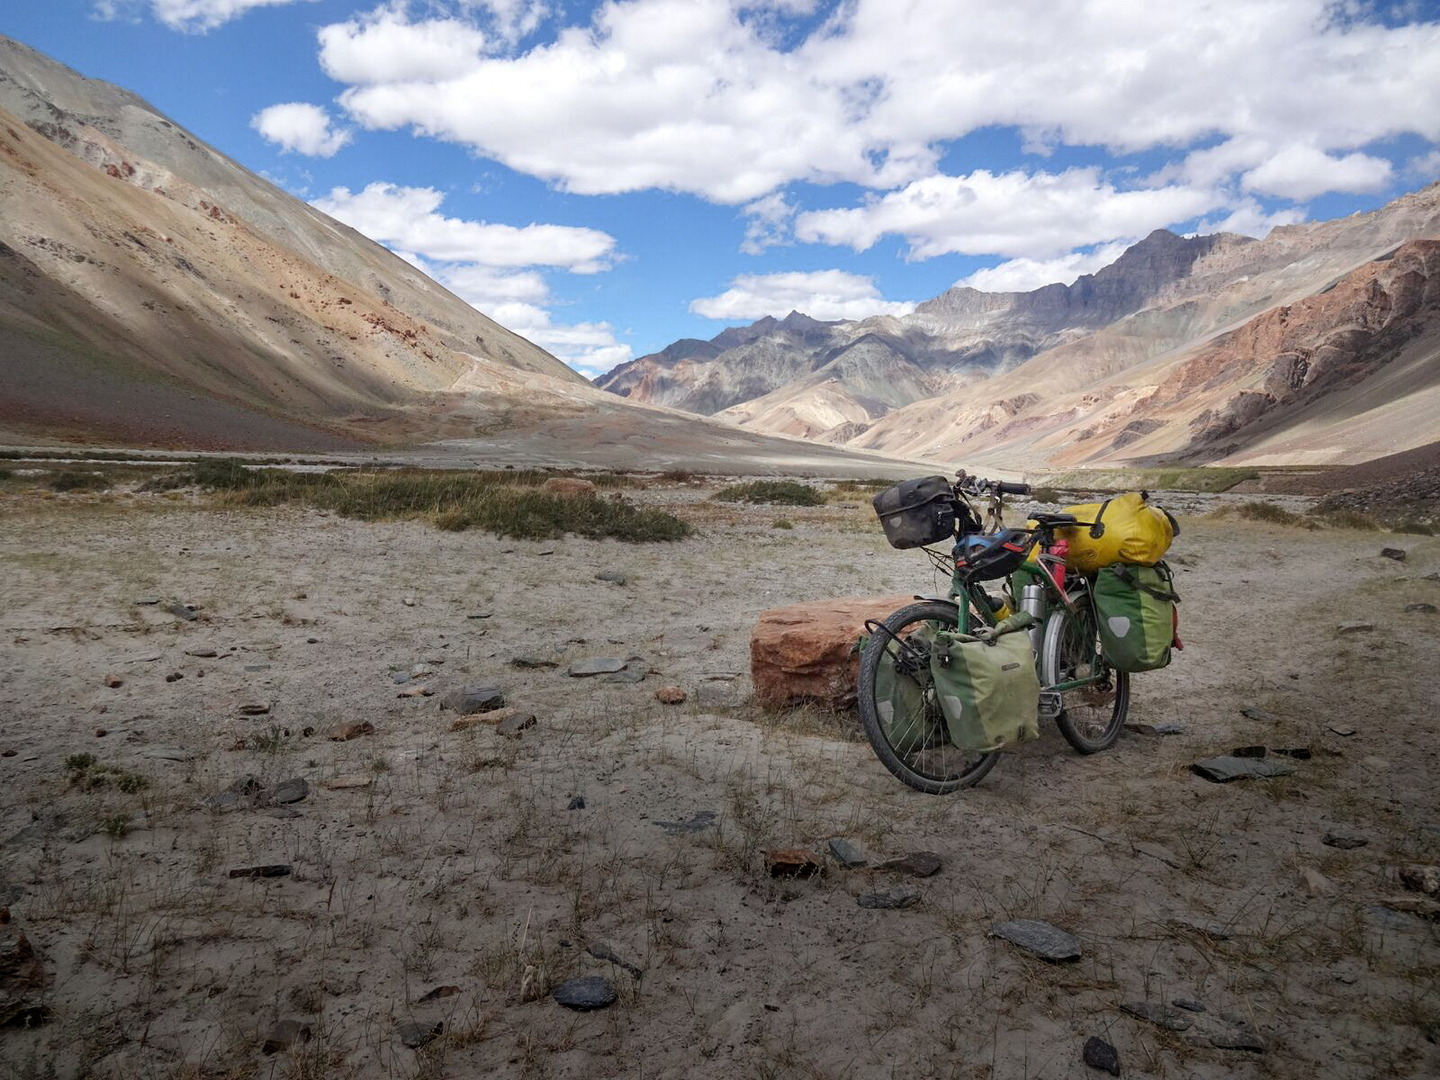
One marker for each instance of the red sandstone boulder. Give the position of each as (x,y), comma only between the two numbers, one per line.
(806,652)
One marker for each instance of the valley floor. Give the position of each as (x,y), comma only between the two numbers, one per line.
(443,877)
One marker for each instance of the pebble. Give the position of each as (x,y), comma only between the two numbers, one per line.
(1099,1054)
(114,682)
(290,791)
(532,662)
(515,723)
(704,819)
(1040,938)
(417,1035)
(1398,554)
(791,862)
(268,871)
(1423,609)
(285,1034)
(670,695)
(615,577)
(1345,841)
(1222,770)
(438,993)
(577,802)
(253,709)
(602,951)
(1265,716)
(847,854)
(889,899)
(345,732)
(204,653)
(473,699)
(585,993)
(1354,627)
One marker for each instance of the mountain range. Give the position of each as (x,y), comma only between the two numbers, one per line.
(1314,345)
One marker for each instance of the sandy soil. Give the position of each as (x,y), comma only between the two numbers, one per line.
(459,864)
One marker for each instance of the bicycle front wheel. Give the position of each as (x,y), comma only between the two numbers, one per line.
(1093,714)
(899,709)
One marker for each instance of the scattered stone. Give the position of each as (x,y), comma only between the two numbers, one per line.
(602,951)
(204,653)
(806,652)
(285,1035)
(257,667)
(466,700)
(1224,769)
(1398,554)
(175,676)
(168,753)
(1237,1035)
(148,601)
(415,691)
(615,577)
(347,783)
(1355,627)
(702,820)
(847,854)
(438,993)
(409,601)
(533,662)
(1099,1054)
(1422,608)
(714,695)
(545,551)
(1343,730)
(585,993)
(254,709)
(1344,840)
(181,611)
(7,752)
(272,870)
(919,864)
(791,862)
(1316,883)
(1162,1015)
(670,695)
(1265,716)
(345,732)
(571,486)
(114,682)
(419,671)
(577,802)
(1156,729)
(23,978)
(515,723)
(1299,753)
(1040,938)
(1187,1005)
(417,1035)
(628,675)
(889,899)
(596,665)
(1424,879)
(290,791)
(480,615)
(1249,751)
(399,678)
(1414,905)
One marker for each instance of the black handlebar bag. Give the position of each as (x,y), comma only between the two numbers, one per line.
(914,513)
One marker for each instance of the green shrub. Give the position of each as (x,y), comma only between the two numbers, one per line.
(222,474)
(1044,495)
(116,827)
(78,763)
(1345,519)
(1269,512)
(782,523)
(782,492)
(74,480)
(1415,527)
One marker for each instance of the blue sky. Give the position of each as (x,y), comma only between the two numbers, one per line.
(605,178)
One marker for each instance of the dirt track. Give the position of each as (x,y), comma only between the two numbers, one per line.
(458,864)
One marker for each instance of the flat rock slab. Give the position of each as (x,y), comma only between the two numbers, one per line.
(628,675)
(1424,879)
(920,864)
(889,899)
(515,723)
(417,1035)
(601,951)
(792,862)
(596,665)
(1099,1054)
(1227,767)
(847,854)
(285,1035)
(290,791)
(473,699)
(1042,939)
(167,753)
(1162,1015)
(271,870)
(1355,628)
(1265,716)
(1344,840)
(585,993)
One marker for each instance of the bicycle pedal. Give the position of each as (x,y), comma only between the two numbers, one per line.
(1051,704)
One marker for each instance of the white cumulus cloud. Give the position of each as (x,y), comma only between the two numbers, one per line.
(405,217)
(1303,172)
(385,48)
(197,16)
(821,294)
(1023,275)
(300,127)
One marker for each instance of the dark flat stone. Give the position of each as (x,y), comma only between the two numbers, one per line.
(1187,1004)
(1099,1054)
(273,870)
(601,951)
(704,819)
(417,1035)
(847,854)
(1265,716)
(585,993)
(1238,1039)
(285,1034)
(1223,769)
(473,699)
(1042,939)
(920,864)
(1345,841)
(515,723)
(596,665)
(290,791)
(889,899)
(438,993)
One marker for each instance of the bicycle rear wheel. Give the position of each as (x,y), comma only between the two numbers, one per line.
(1091,716)
(899,710)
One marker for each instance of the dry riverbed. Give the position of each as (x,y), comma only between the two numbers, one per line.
(441,879)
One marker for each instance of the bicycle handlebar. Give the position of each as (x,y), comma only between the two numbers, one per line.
(974,485)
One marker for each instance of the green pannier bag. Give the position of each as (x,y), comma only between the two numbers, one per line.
(987,685)
(1136,610)
(910,721)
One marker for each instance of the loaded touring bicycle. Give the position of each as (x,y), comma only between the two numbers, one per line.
(1049,620)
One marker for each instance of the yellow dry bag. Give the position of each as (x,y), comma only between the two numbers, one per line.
(1126,529)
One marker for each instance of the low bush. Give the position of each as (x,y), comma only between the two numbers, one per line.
(781,492)
(1263,511)
(782,523)
(1345,519)
(74,480)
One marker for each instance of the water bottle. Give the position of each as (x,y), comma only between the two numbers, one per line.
(1032,599)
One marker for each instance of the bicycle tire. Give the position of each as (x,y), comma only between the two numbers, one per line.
(931,765)
(1091,719)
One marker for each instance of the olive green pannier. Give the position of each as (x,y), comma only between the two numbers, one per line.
(1135,606)
(987,685)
